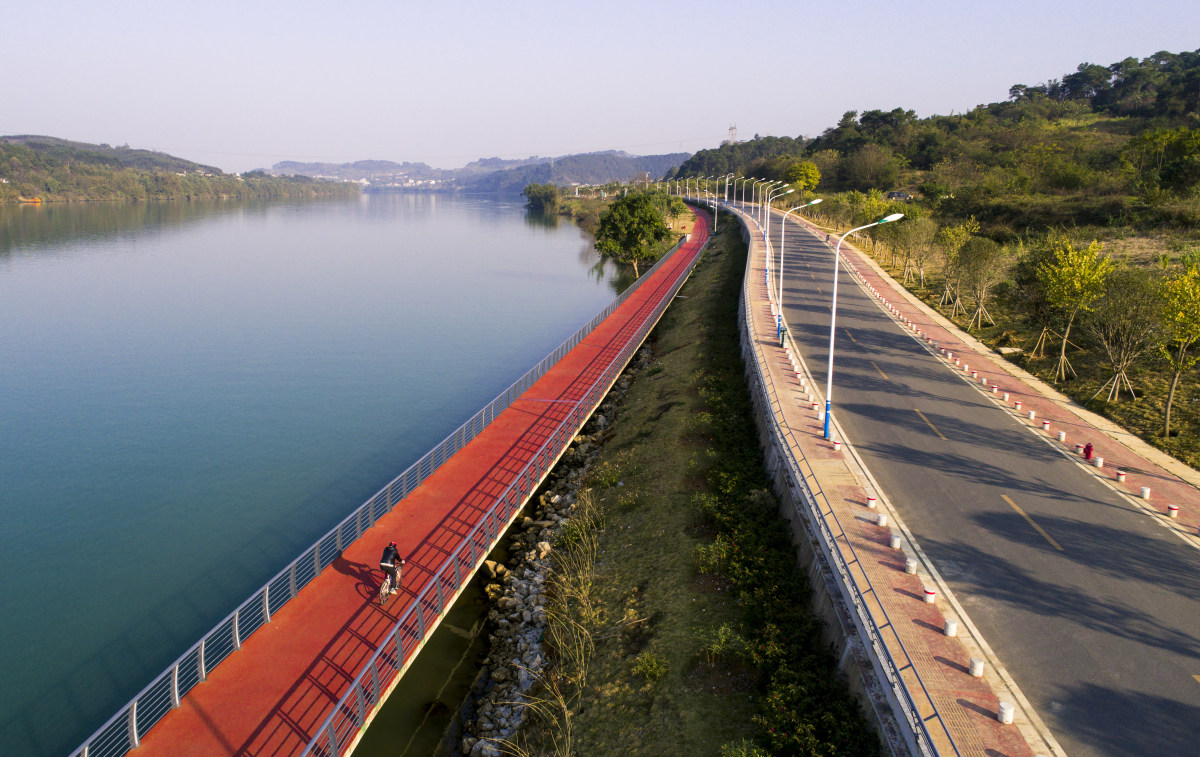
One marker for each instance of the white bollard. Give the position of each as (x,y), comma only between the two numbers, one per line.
(821,415)
(975,374)
(957,361)
(1006,713)
(1120,477)
(1078,449)
(910,566)
(871,502)
(983,381)
(1099,462)
(1145,492)
(1017,404)
(1062,436)
(1172,511)
(894,543)
(1045,425)
(881,520)
(837,445)
(995,389)
(1005,397)
(1032,414)
(976,668)
(930,595)
(951,627)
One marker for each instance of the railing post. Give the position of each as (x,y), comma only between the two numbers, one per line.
(133,734)
(331,739)
(237,635)
(338,538)
(267,603)
(200,662)
(175,687)
(421,620)
(441,605)
(376,686)
(362,706)
(317,559)
(292,581)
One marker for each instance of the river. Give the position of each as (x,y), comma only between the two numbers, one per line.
(192,393)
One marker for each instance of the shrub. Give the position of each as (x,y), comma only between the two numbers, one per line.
(650,666)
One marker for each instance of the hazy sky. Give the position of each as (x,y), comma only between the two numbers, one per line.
(244,84)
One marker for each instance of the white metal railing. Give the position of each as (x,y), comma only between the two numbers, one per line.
(817,512)
(124,730)
(356,706)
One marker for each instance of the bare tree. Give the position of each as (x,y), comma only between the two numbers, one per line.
(981,265)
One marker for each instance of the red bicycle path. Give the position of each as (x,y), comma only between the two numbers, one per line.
(272,696)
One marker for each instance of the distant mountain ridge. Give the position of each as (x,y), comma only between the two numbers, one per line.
(124,156)
(492,174)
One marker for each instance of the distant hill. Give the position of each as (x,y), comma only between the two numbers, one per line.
(60,170)
(56,149)
(491,174)
(588,168)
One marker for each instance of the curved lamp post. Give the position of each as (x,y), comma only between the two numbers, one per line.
(779,273)
(833,313)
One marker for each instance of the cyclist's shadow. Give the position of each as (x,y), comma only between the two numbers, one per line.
(368,578)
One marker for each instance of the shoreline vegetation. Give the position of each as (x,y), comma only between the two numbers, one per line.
(52,171)
(676,615)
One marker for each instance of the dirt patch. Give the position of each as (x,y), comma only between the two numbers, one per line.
(706,584)
(721,678)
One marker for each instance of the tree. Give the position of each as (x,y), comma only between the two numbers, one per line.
(917,237)
(628,228)
(982,264)
(803,175)
(1125,321)
(1073,279)
(949,241)
(1181,327)
(542,197)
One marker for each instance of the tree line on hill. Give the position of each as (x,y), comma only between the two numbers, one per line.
(57,170)
(1117,144)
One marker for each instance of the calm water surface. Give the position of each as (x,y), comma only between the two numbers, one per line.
(190,394)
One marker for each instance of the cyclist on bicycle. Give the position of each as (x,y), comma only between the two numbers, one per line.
(391,563)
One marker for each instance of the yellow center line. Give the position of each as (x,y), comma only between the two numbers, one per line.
(881,373)
(939,433)
(851,338)
(1038,528)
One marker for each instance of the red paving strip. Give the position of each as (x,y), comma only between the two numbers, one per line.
(270,697)
(1125,453)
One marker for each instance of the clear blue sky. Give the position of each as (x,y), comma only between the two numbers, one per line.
(243,84)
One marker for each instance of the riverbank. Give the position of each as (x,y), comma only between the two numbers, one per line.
(675,613)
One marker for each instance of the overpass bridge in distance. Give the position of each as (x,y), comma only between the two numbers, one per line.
(305,663)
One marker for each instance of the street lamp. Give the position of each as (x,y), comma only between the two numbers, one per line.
(833,314)
(777,192)
(753,188)
(756,195)
(779,273)
(726,178)
(762,200)
(745,180)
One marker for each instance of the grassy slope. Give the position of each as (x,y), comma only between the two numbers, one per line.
(653,602)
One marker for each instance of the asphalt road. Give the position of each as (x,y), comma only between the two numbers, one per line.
(1092,607)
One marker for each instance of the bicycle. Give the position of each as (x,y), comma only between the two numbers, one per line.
(386,589)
